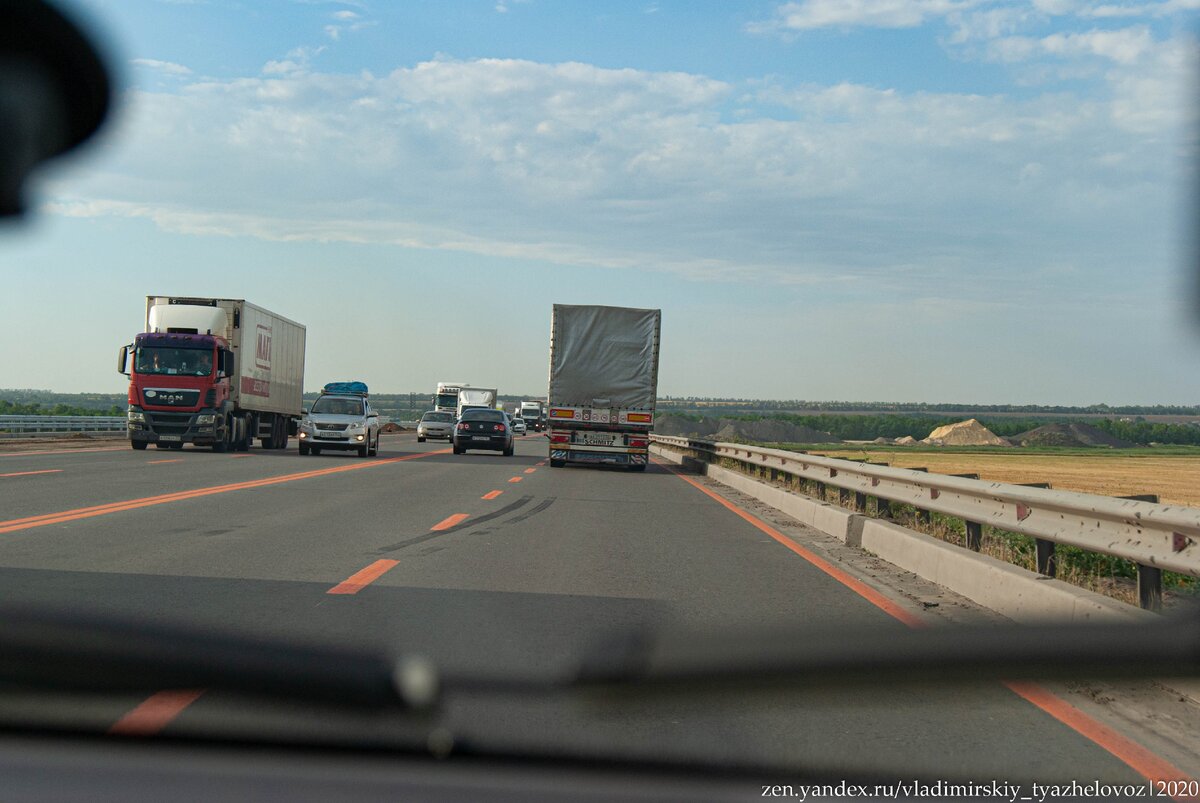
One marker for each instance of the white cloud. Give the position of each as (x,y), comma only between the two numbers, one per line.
(811,14)
(345,16)
(579,165)
(167,67)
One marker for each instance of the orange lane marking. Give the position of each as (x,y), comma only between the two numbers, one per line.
(236,456)
(854,584)
(361,579)
(1147,764)
(449,521)
(530,470)
(155,712)
(28,522)
(38,452)
(1141,760)
(173,460)
(516,479)
(542,463)
(29,473)
(491,494)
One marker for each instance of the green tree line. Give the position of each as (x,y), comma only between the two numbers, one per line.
(35,408)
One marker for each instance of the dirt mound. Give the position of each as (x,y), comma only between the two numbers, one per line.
(767,430)
(391,427)
(1070,434)
(906,440)
(965,433)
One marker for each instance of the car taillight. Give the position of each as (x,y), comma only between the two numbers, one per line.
(639,443)
(499,427)
(464,426)
(560,438)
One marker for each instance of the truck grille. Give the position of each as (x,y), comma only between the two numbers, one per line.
(170,397)
(168,423)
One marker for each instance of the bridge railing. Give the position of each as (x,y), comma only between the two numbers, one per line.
(1155,537)
(28,426)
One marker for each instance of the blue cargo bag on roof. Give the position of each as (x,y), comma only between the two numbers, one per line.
(357,388)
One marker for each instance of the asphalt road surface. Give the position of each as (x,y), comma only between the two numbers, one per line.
(485,564)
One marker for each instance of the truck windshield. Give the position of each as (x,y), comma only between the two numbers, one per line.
(446,400)
(163,360)
(335,406)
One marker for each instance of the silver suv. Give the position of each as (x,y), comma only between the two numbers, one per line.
(340,421)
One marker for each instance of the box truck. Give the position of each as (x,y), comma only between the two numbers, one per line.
(533,414)
(476,397)
(603,384)
(445,400)
(214,372)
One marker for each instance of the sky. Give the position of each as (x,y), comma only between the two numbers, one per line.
(892,200)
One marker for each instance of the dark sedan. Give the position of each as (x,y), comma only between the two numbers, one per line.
(483,429)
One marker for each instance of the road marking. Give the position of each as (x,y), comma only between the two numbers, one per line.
(12,525)
(530,470)
(30,473)
(173,460)
(516,479)
(449,521)
(236,456)
(361,579)
(37,452)
(1145,763)
(155,712)
(1138,758)
(542,463)
(491,494)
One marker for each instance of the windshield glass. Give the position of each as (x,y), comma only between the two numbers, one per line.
(851,320)
(163,360)
(333,405)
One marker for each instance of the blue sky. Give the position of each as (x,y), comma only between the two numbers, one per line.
(913,200)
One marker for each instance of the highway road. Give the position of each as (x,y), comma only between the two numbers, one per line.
(486,564)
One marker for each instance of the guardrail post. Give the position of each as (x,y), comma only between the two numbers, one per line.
(1149,583)
(1046,564)
(844,497)
(820,490)
(883,508)
(974,535)
(860,502)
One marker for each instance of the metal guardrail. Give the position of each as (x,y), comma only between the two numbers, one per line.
(16,426)
(1154,536)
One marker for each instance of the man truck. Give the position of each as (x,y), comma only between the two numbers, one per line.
(214,372)
(603,384)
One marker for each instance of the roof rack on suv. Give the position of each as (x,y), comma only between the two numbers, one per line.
(345,389)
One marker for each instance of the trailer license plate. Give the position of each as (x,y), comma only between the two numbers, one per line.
(598,440)
(170,438)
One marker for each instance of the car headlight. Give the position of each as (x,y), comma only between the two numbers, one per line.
(206,419)
(137,416)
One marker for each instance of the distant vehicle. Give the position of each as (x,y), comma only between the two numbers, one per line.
(518,425)
(603,384)
(341,418)
(534,414)
(435,424)
(216,372)
(475,398)
(445,400)
(480,428)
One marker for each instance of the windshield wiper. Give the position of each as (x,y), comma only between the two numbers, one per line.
(654,663)
(66,650)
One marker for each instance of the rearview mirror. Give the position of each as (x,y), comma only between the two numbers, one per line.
(123,361)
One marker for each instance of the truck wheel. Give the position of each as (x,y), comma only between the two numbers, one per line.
(223,444)
(557,463)
(638,467)
(139,445)
(303,448)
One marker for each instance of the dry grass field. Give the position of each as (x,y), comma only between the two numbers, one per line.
(1175,478)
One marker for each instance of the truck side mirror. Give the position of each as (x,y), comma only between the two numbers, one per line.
(226,365)
(123,361)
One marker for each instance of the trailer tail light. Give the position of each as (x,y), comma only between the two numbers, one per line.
(560,438)
(639,443)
